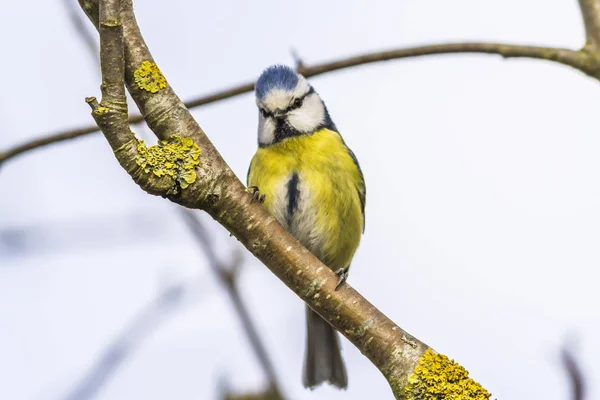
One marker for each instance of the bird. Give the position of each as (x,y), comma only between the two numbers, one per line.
(311,182)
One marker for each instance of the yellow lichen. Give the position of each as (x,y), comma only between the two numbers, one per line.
(439,378)
(149,78)
(176,157)
(102,110)
(111,22)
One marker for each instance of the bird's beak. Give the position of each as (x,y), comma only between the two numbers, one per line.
(279,113)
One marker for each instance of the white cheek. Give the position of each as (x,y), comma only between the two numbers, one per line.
(266,130)
(308,117)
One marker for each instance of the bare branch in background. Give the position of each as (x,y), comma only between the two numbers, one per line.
(228,277)
(186,168)
(166,303)
(574,373)
(299,64)
(584,61)
(76,16)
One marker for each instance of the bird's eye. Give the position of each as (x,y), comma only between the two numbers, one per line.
(298,103)
(264,112)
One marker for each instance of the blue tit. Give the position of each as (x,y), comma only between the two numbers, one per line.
(313,185)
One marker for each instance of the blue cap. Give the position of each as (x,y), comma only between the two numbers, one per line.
(276,77)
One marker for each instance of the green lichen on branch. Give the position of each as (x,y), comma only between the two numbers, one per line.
(439,378)
(176,157)
(149,77)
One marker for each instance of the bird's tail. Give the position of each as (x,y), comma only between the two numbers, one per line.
(323,362)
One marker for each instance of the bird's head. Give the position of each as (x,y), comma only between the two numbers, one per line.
(288,106)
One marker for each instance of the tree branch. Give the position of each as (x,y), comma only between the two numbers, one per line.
(186,168)
(228,278)
(584,61)
(590,11)
(113,111)
(111,116)
(224,273)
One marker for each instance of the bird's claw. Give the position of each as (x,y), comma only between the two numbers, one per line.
(256,196)
(342,273)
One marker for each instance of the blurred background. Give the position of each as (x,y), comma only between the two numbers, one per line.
(482,210)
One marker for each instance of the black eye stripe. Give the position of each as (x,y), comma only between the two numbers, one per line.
(291,107)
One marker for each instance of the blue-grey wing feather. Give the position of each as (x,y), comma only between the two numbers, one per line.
(361,189)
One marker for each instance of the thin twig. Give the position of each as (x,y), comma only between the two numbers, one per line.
(299,64)
(228,278)
(76,17)
(576,59)
(164,306)
(574,373)
(590,11)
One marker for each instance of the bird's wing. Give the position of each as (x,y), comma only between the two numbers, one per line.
(248,174)
(360,187)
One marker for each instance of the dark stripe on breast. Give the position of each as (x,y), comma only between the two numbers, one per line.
(293,194)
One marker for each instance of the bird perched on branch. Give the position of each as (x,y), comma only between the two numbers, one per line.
(312,183)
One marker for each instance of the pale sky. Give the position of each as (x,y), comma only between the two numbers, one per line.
(482,199)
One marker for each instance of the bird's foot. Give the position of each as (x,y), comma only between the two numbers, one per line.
(342,273)
(256,196)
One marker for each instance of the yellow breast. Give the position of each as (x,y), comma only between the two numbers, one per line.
(312,186)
